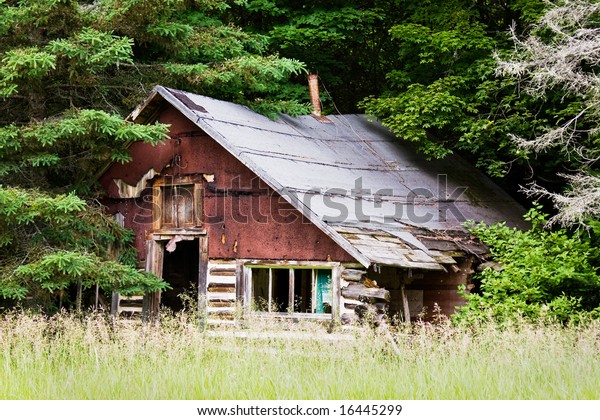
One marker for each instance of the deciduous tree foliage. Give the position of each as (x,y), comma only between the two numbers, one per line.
(562,55)
(443,94)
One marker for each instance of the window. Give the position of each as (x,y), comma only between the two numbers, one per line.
(299,290)
(178,202)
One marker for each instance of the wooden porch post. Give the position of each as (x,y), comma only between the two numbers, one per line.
(202,280)
(404,297)
(336,292)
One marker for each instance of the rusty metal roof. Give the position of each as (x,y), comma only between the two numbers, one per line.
(370,192)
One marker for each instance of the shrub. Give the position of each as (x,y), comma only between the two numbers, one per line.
(545,275)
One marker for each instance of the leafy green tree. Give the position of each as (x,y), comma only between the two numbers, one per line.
(444,96)
(345,42)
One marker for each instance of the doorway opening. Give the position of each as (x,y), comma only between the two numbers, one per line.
(180,270)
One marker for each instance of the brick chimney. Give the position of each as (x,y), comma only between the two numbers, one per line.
(313,89)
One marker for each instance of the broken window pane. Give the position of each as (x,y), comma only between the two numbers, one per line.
(260,288)
(303,290)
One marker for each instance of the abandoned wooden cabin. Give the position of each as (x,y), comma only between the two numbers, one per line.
(306,217)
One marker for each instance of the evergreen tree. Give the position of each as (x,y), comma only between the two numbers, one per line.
(69,72)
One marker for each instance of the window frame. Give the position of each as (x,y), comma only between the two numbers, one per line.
(333,268)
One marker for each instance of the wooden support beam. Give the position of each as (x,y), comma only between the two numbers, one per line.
(242,286)
(154,306)
(336,308)
(156,208)
(290,307)
(79,295)
(97,297)
(202,279)
(405,307)
(239,281)
(353,274)
(247,288)
(198,199)
(270,301)
(364,294)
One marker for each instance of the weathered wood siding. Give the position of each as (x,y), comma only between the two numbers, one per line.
(244,218)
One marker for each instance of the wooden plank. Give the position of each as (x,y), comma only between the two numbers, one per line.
(405,307)
(202,278)
(222,304)
(198,202)
(78,296)
(132,309)
(159,252)
(156,207)
(146,308)
(221,289)
(185,206)
(223,271)
(336,293)
(169,180)
(270,301)
(362,293)
(390,239)
(266,263)
(442,258)
(247,275)
(419,256)
(187,234)
(290,290)
(239,283)
(131,304)
(154,259)
(210,296)
(351,274)
(220,309)
(353,265)
(114,303)
(222,281)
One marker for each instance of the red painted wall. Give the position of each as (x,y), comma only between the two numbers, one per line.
(243,216)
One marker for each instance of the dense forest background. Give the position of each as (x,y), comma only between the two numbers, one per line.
(509,85)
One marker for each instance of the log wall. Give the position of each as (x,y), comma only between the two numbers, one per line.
(221,290)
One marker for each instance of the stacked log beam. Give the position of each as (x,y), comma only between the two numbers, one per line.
(362,299)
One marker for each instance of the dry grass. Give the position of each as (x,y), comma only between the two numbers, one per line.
(65,357)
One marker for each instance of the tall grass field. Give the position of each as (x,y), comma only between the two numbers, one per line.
(94,357)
